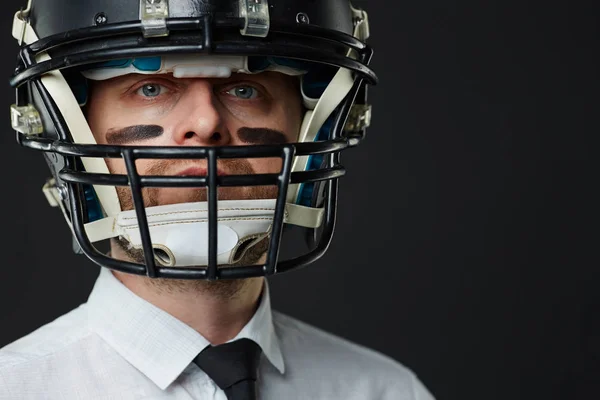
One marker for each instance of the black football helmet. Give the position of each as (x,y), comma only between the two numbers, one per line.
(64,43)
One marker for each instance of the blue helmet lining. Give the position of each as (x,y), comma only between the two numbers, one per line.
(305,192)
(92,203)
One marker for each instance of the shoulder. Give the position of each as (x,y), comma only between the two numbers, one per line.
(44,353)
(374,371)
(47,339)
(65,359)
(295,333)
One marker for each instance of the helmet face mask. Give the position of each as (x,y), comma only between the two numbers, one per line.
(215,39)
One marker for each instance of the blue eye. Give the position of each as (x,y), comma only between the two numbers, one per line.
(244,92)
(151,90)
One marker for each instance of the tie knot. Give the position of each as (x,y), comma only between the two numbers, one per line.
(230,363)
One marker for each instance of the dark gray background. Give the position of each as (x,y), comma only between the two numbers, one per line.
(467,234)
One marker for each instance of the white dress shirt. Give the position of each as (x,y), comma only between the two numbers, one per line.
(119,346)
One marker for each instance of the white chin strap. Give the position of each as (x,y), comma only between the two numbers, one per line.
(179,232)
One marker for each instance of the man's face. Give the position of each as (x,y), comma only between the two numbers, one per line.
(159,110)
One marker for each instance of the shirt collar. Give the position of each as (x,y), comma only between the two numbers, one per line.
(155,342)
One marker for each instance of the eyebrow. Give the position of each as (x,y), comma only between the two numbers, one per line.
(133,133)
(262,136)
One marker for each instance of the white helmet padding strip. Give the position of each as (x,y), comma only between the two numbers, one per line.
(187,66)
(63,96)
(180,231)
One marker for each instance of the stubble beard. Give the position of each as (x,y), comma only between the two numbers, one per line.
(225,289)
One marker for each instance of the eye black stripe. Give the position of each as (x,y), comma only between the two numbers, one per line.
(133,134)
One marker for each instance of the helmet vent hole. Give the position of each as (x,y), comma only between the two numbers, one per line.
(242,247)
(163,256)
(252,246)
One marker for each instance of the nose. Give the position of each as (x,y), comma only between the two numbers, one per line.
(199,118)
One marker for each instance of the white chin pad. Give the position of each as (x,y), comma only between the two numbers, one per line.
(179,232)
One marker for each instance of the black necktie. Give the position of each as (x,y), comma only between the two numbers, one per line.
(233,367)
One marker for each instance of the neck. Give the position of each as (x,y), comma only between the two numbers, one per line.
(217,310)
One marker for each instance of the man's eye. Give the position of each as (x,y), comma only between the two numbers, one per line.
(243,92)
(152,90)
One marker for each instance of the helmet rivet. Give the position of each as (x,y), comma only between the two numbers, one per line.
(62,192)
(100,19)
(302,18)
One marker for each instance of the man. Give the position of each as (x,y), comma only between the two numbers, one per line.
(186,134)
